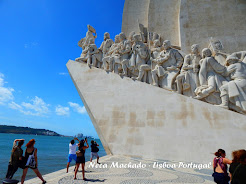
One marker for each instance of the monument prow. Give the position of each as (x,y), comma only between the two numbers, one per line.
(137,119)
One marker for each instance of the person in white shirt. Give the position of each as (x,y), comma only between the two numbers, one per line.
(72,152)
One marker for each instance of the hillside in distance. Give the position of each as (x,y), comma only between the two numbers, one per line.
(26,130)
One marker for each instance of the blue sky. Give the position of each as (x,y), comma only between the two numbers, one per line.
(37,38)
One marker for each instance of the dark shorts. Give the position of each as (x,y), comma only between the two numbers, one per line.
(80,160)
(221,178)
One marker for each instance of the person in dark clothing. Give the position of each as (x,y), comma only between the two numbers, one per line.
(15,158)
(81,158)
(238,167)
(94,150)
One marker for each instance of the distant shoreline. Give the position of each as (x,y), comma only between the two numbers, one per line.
(38,135)
(27,131)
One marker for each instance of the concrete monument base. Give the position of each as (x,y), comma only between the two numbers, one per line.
(136,119)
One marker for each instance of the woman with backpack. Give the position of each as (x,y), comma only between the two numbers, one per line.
(220,167)
(81,158)
(32,161)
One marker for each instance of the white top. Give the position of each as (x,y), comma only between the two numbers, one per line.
(72,148)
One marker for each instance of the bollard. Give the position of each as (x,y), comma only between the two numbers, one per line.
(10,181)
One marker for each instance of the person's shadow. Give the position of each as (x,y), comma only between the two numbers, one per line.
(95,180)
(85,171)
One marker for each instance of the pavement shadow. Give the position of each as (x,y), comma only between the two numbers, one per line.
(95,180)
(85,171)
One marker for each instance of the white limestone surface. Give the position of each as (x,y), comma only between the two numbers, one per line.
(187,22)
(163,18)
(222,19)
(134,11)
(137,119)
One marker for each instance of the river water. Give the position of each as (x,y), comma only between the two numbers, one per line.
(52,153)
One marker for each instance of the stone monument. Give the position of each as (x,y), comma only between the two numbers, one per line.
(148,97)
(185,22)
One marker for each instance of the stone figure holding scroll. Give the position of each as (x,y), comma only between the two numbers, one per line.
(210,78)
(233,93)
(187,80)
(167,67)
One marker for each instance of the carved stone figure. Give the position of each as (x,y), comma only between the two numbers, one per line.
(143,32)
(145,69)
(85,42)
(104,48)
(233,93)
(112,61)
(124,51)
(89,35)
(152,37)
(156,49)
(85,56)
(93,54)
(187,80)
(217,51)
(241,55)
(130,37)
(140,55)
(207,78)
(106,44)
(211,79)
(168,66)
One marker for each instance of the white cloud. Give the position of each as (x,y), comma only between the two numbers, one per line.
(6,94)
(77,108)
(37,107)
(1,79)
(62,111)
(63,73)
(15,106)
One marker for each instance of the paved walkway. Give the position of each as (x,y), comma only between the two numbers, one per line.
(109,173)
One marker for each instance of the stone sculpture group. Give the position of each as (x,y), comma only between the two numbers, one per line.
(213,76)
